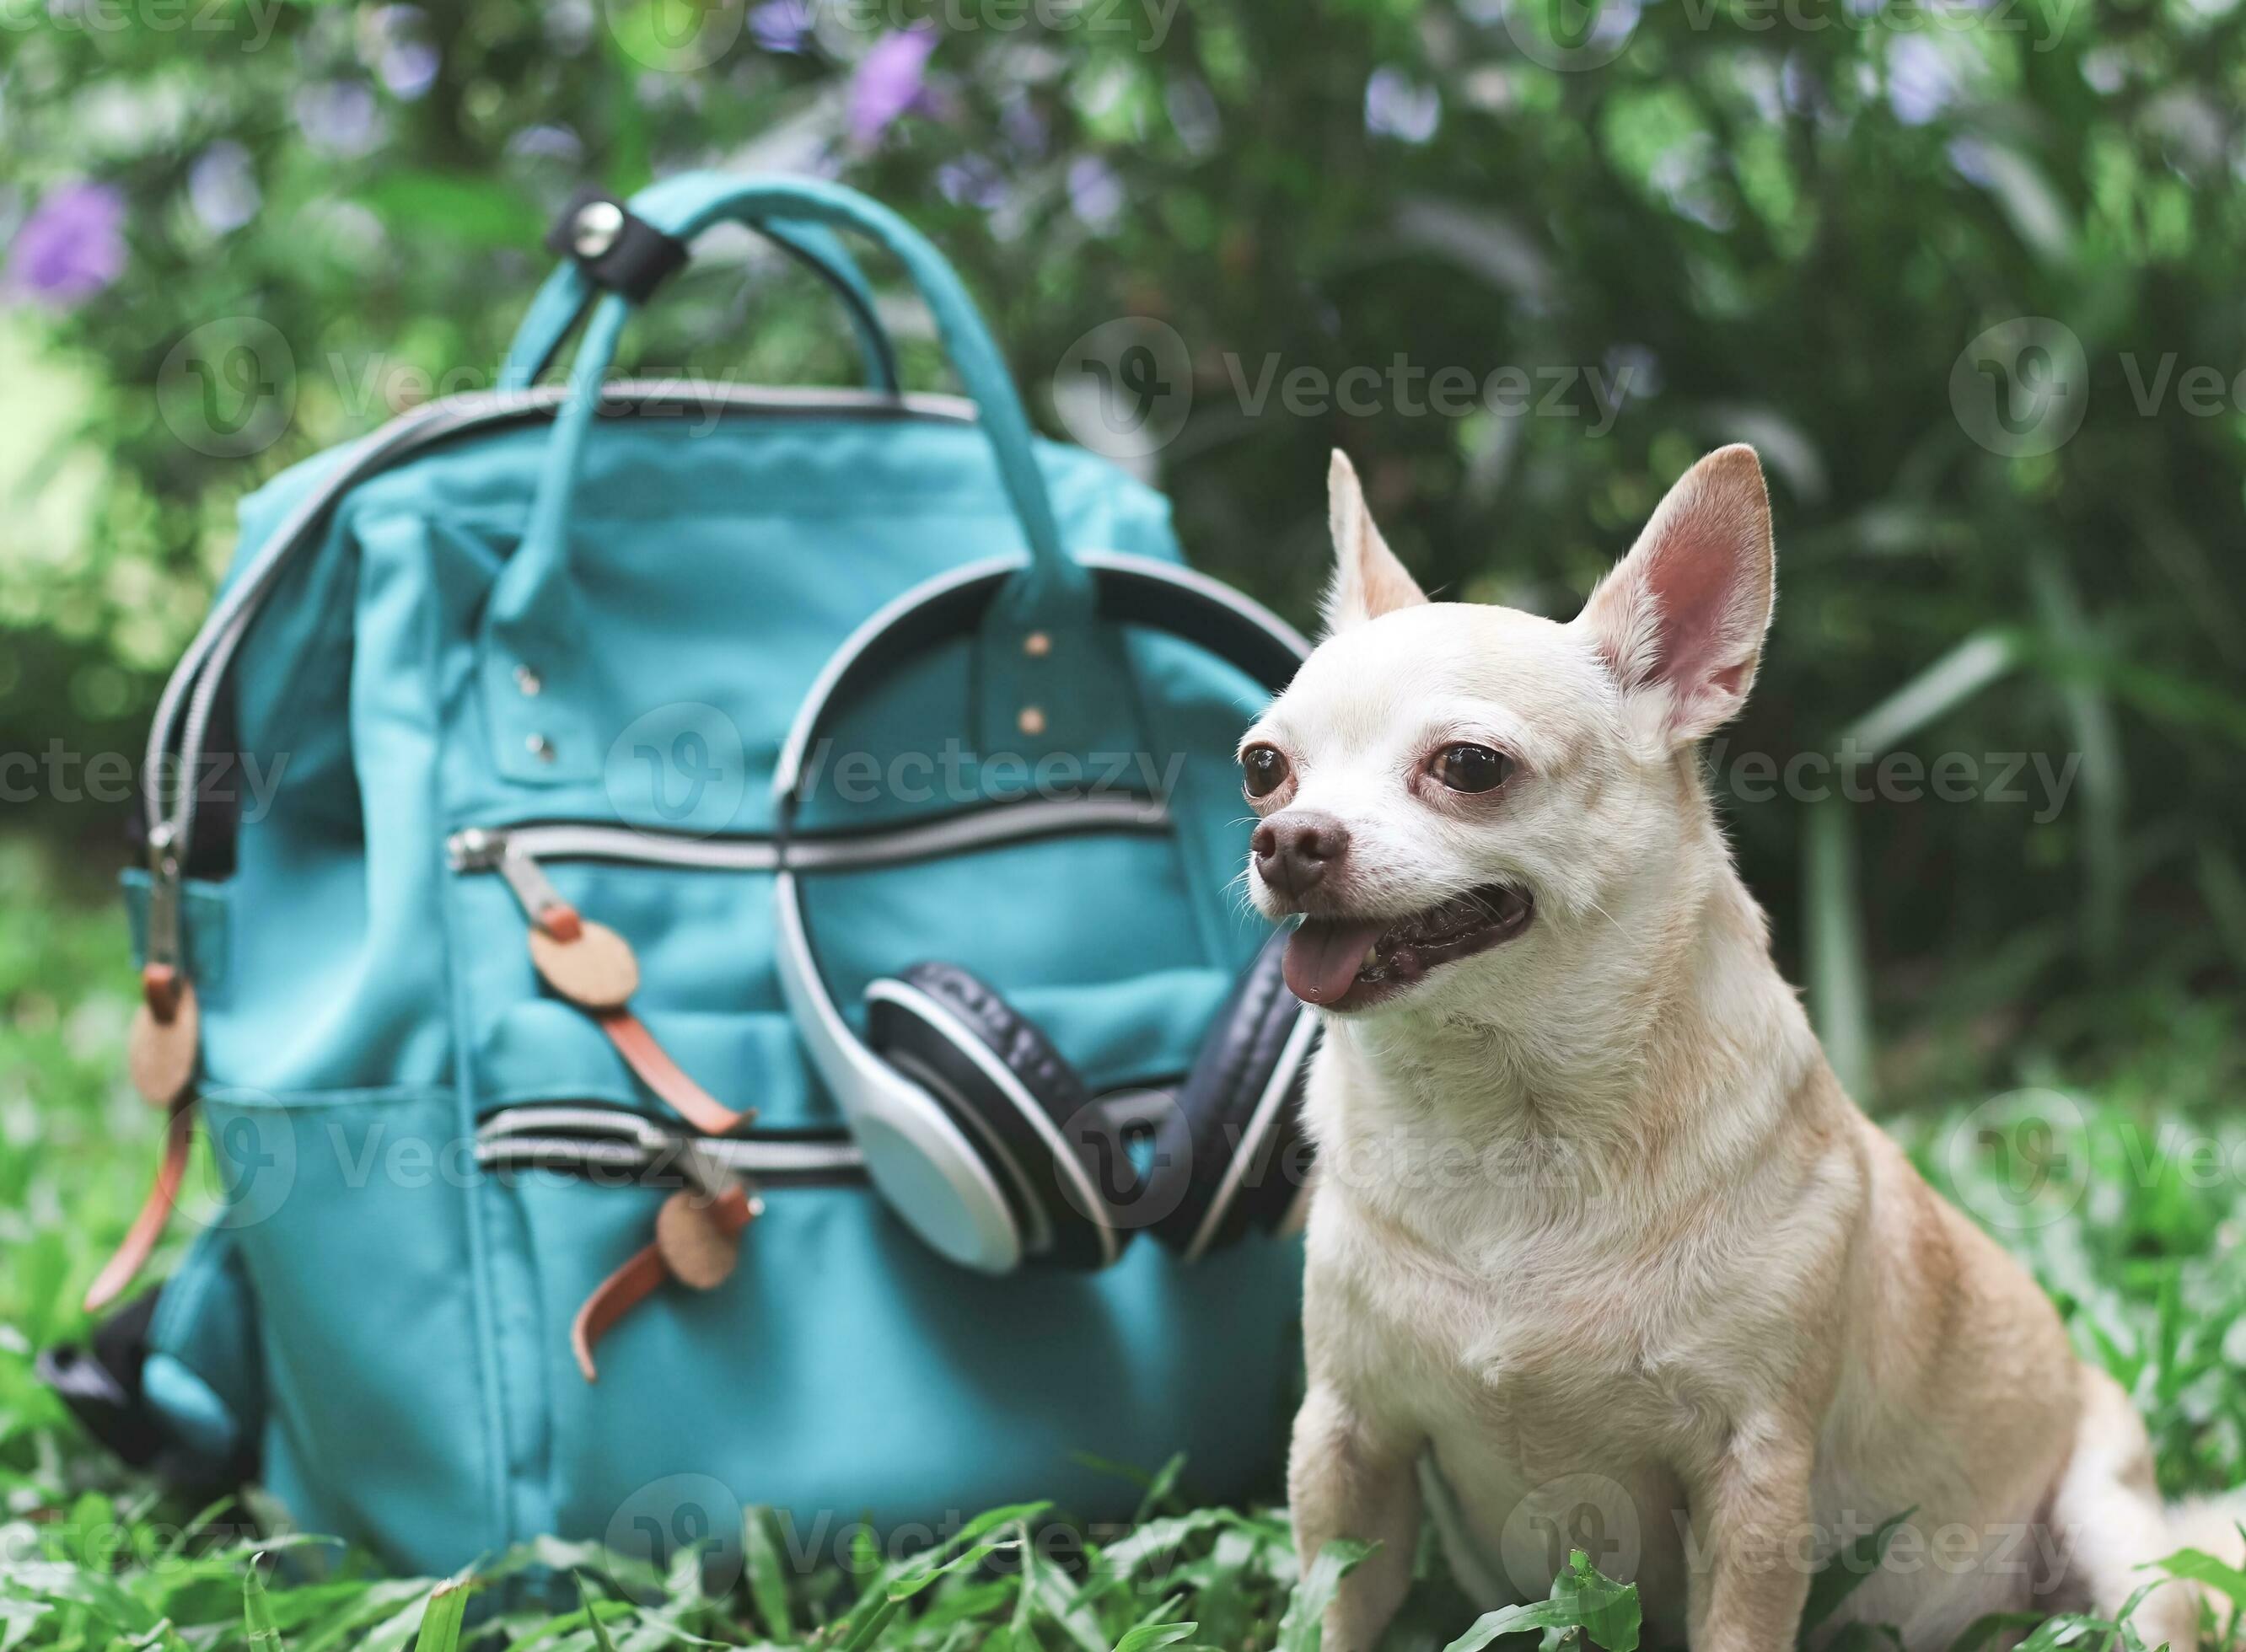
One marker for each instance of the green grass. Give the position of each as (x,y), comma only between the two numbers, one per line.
(2127,1202)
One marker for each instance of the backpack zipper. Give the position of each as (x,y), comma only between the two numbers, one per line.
(515,852)
(599,1142)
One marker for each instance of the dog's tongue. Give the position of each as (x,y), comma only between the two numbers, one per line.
(1323,956)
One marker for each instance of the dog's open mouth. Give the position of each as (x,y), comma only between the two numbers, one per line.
(1345,963)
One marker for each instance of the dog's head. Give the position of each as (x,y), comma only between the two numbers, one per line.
(1473,808)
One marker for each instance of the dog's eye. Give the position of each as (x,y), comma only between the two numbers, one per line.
(1470,768)
(1266,771)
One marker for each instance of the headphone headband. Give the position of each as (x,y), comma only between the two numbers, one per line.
(1129,590)
(925,1166)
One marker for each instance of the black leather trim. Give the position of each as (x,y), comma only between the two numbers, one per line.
(101,1383)
(893,1031)
(640,258)
(1199,1139)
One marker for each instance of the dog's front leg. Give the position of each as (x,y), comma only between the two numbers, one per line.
(1345,1479)
(1750,1556)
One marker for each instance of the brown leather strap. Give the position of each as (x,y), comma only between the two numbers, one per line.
(662,1075)
(640,1277)
(611,1300)
(147,1229)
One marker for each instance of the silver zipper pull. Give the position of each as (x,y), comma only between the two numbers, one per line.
(474,849)
(479,850)
(163,898)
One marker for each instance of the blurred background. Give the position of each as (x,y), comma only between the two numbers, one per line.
(1968,275)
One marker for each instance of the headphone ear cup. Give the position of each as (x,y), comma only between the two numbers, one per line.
(1052,1151)
(1232,1153)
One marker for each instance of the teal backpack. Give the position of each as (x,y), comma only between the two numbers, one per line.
(740,937)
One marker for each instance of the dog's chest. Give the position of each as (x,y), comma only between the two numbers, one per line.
(1537,1357)
(1552,1405)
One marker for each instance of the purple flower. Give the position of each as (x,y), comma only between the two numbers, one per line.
(782,25)
(71,246)
(889,79)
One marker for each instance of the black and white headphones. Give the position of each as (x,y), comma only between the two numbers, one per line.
(975,1130)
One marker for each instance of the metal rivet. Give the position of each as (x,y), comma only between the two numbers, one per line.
(540,747)
(1037,645)
(1032,721)
(597,226)
(526,680)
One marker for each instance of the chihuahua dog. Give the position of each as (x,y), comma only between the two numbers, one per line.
(1600,1255)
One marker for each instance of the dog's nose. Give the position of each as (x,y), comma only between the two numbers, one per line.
(1294,849)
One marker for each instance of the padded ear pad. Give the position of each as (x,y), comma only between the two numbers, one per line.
(1233,1151)
(1012,1092)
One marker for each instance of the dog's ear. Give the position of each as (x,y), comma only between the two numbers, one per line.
(1683,615)
(1368,580)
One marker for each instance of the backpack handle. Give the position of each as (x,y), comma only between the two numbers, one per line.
(562,302)
(534,629)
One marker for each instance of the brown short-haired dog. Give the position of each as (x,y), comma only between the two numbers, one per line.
(1598,1241)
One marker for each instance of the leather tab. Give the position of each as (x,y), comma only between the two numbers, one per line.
(588,964)
(662,1075)
(163,1044)
(611,1300)
(698,1243)
(147,1230)
(700,1238)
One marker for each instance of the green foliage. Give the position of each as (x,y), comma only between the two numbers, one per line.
(2133,1232)
(1784,223)
(1585,1609)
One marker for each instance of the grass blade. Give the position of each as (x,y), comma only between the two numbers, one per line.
(1298,1630)
(1843,1574)
(442,1617)
(768,1577)
(593,1619)
(1839,982)
(257,1611)
(1583,1600)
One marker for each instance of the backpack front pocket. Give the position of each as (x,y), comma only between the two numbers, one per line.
(844,1372)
